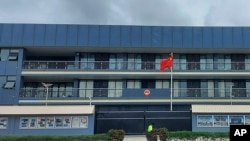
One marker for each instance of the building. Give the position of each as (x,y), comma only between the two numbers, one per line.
(87,79)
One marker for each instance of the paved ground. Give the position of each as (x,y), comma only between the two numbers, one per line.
(135,138)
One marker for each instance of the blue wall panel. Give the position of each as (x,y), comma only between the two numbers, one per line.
(6,35)
(246,35)
(83,36)
(50,35)
(146,36)
(207,37)
(104,36)
(2,68)
(217,37)
(139,93)
(187,37)
(28,34)
(72,35)
(1,32)
(197,37)
(167,37)
(8,97)
(237,38)
(61,35)
(125,36)
(156,36)
(93,35)
(115,36)
(177,37)
(227,37)
(17,35)
(136,36)
(11,68)
(36,35)
(39,35)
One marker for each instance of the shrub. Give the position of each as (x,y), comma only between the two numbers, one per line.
(189,135)
(161,132)
(116,135)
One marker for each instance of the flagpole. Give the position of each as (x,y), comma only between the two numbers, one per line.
(168,64)
(171,91)
(171,87)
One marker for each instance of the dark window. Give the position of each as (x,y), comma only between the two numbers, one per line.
(100,88)
(148,61)
(238,61)
(193,61)
(239,88)
(193,88)
(147,83)
(101,61)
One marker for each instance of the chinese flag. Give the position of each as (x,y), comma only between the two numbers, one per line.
(166,63)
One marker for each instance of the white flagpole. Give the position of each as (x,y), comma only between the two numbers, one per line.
(171,91)
(171,86)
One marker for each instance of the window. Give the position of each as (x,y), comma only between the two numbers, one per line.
(12,58)
(11,81)
(238,61)
(193,61)
(131,84)
(100,88)
(3,122)
(13,55)
(9,54)
(148,61)
(147,83)
(101,61)
(193,88)
(9,85)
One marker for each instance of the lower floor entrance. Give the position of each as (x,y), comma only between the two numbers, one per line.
(134,119)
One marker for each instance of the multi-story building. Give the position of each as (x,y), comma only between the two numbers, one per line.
(85,79)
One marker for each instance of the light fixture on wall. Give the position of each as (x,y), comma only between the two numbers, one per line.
(47,90)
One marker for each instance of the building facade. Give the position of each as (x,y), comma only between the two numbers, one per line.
(87,79)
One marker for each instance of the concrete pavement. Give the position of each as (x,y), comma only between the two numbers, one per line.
(135,138)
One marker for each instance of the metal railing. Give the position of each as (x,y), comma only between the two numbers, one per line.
(69,93)
(132,66)
(118,93)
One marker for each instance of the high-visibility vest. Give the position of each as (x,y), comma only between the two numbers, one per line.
(150,128)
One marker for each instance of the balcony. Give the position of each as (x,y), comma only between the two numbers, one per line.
(106,93)
(131,66)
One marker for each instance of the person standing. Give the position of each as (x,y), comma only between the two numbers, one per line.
(149,131)
(150,127)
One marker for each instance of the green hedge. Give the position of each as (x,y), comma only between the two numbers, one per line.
(97,137)
(184,135)
(189,135)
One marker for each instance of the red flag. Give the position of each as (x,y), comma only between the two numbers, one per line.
(166,63)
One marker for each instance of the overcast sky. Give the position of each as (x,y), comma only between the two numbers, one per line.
(128,12)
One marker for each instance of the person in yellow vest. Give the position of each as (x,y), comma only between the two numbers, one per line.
(150,127)
(149,130)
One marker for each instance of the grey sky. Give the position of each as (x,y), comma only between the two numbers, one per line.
(128,12)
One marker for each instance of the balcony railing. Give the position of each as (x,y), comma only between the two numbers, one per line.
(204,93)
(132,66)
